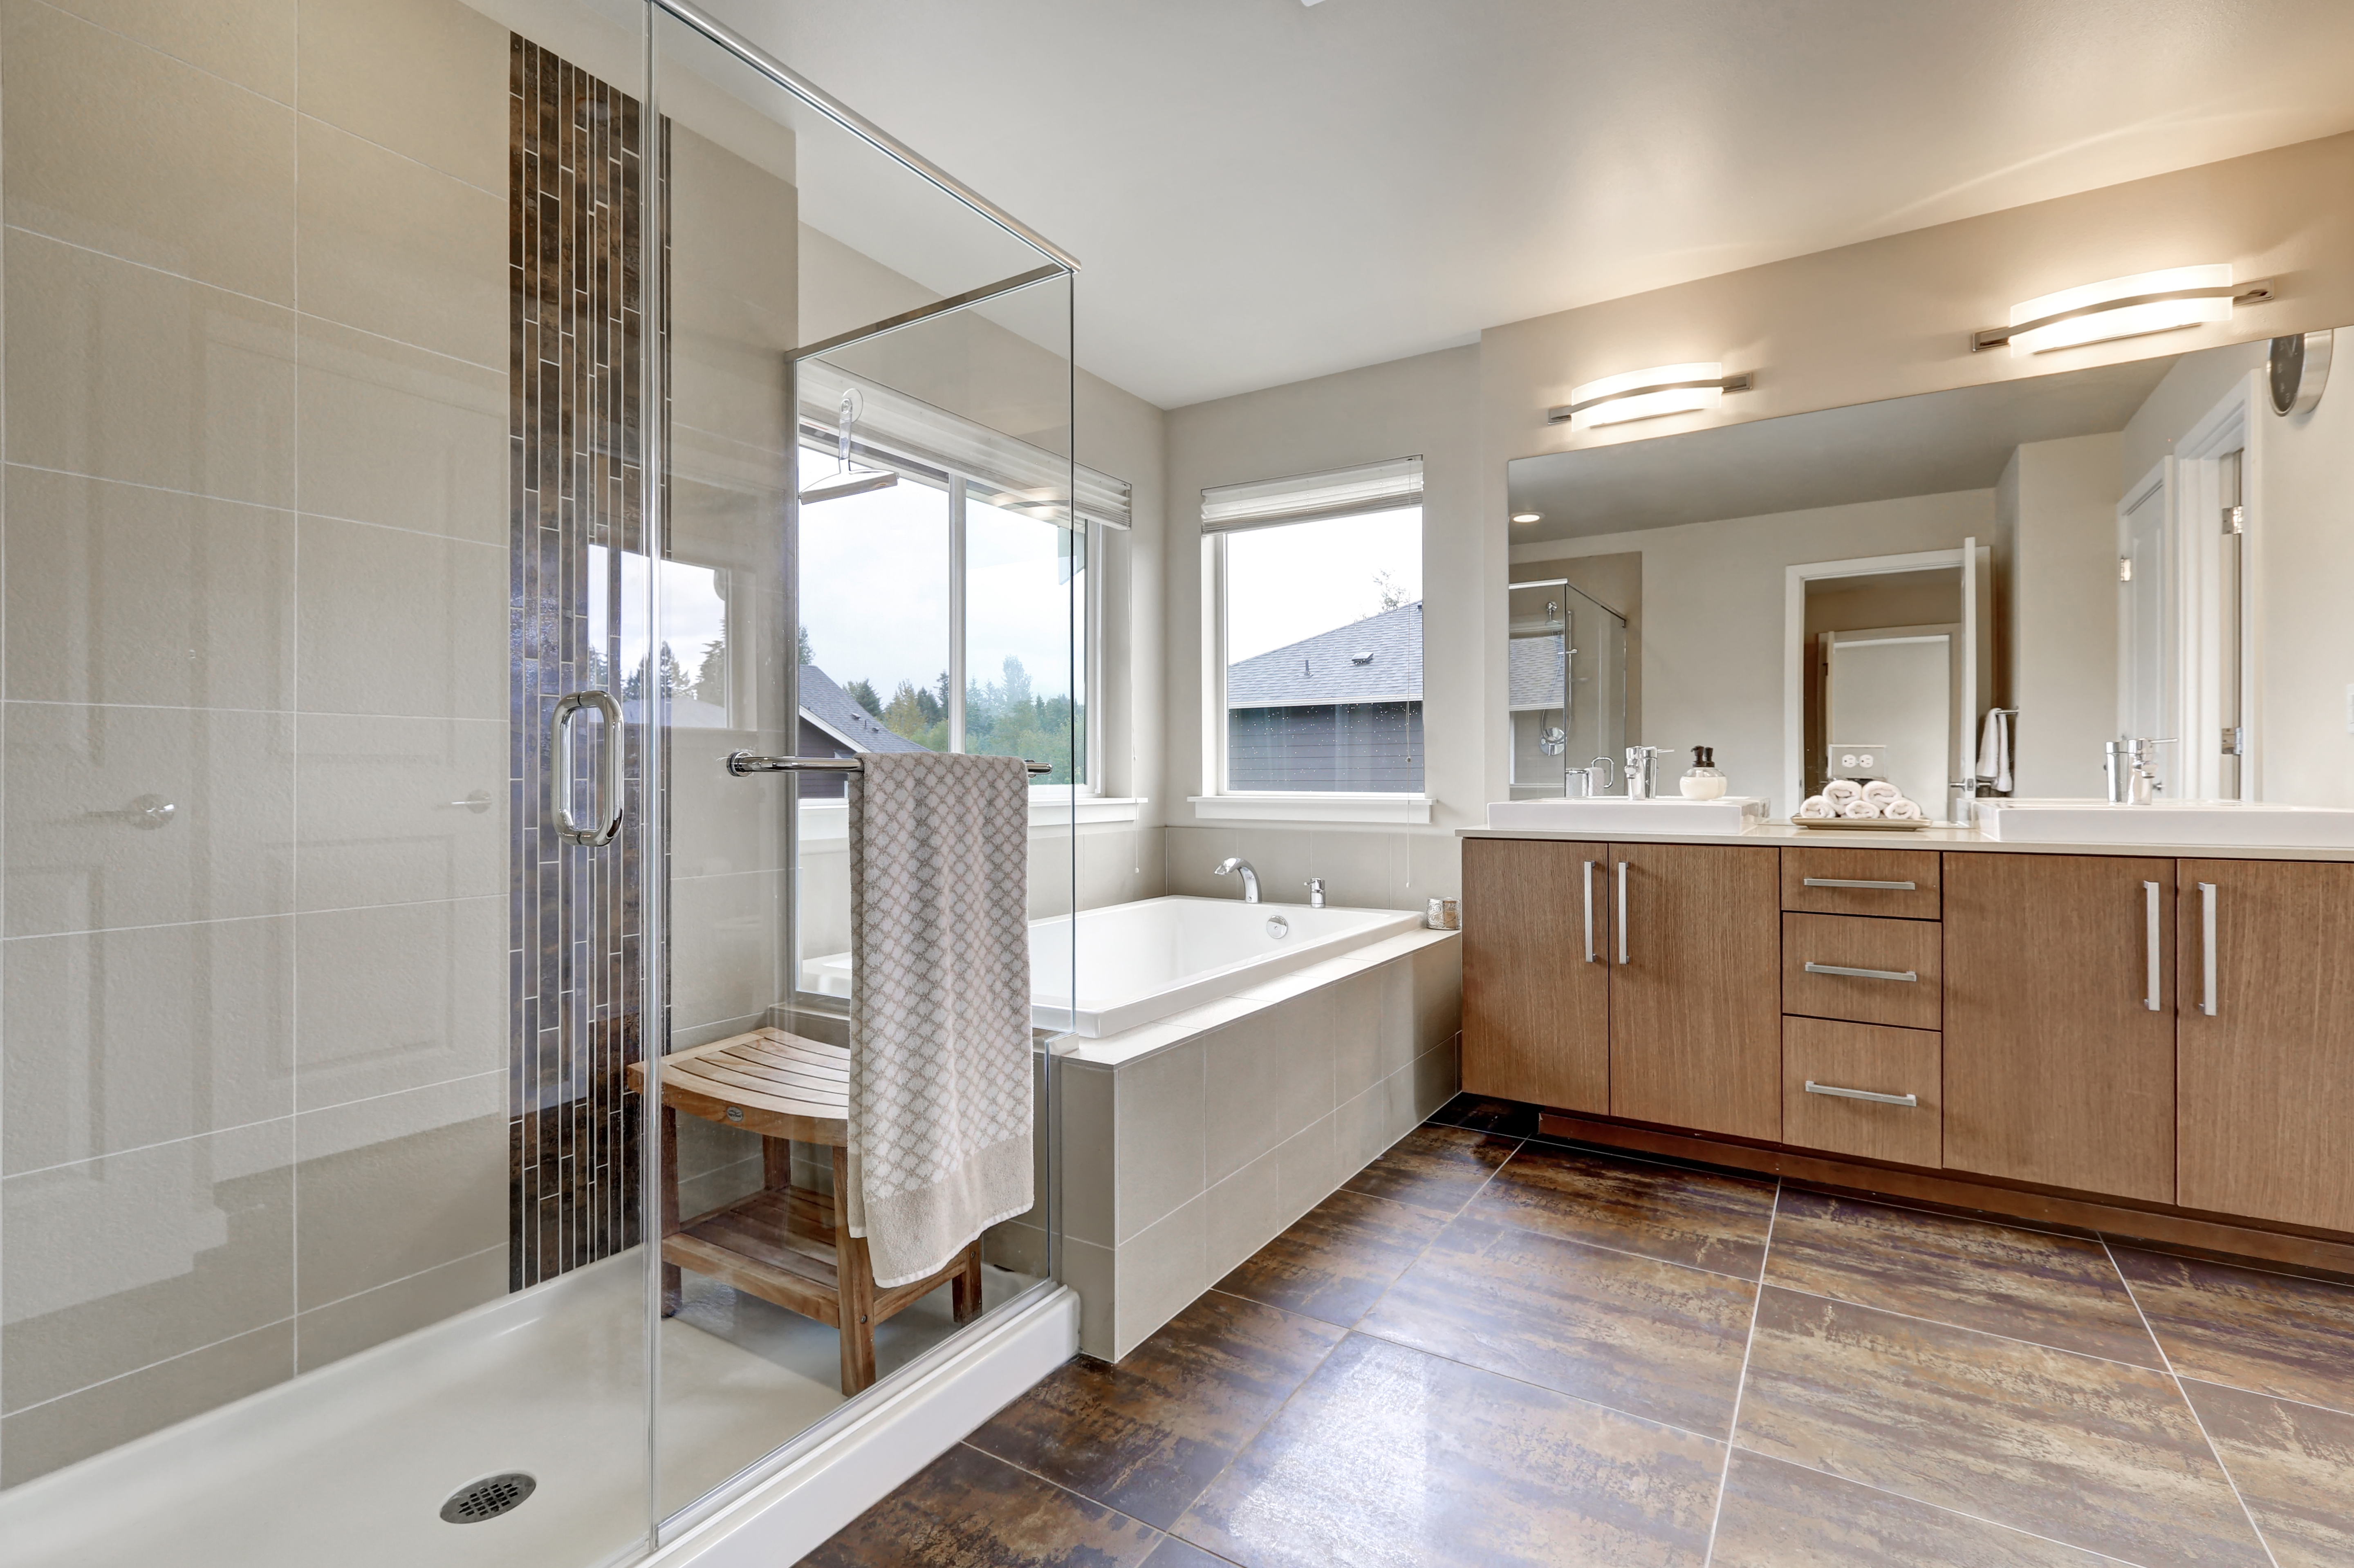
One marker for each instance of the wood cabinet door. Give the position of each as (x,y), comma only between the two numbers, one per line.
(1536,1015)
(2058,1068)
(1696,1006)
(2265,1082)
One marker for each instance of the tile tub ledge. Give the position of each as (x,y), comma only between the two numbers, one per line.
(1190,1143)
(1167,1033)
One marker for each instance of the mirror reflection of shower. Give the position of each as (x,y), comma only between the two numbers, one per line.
(1567,686)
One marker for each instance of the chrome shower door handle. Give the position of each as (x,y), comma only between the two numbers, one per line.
(2149,909)
(1591,955)
(1622,911)
(2207,936)
(559,768)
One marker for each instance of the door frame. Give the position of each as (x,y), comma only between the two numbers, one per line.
(1969,557)
(2230,426)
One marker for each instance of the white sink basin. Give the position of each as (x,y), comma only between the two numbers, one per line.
(1607,814)
(2167,822)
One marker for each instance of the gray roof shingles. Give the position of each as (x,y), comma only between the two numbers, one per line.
(838,711)
(1327,668)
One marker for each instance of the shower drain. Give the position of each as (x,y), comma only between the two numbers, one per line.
(488,1497)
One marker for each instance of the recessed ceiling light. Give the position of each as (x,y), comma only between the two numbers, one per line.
(1528,516)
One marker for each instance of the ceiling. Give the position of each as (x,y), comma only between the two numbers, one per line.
(1262,191)
(1929,444)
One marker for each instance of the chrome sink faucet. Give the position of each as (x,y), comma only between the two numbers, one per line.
(1250,877)
(2133,770)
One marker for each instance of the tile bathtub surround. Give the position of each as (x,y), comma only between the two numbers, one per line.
(255,501)
(1188,1143)
(1477,1380)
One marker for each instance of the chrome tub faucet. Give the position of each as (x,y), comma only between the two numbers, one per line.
(1250,877)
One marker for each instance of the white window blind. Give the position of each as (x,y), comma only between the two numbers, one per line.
(1267,503)
(895,430)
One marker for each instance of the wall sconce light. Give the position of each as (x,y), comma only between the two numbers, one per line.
(2121,307)
(1648,393)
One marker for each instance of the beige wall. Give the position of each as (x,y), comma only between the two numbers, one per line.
(2064,496)
(2302,566)
(257,547)
(1715,611)
(1422,406)
(1882,319)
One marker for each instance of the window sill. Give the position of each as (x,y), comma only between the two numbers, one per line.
(829,821)
(1399,811)
(1058,810)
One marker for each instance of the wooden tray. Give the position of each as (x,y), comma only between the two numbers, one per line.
(1862,824)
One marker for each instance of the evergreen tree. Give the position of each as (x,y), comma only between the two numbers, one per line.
(863,693)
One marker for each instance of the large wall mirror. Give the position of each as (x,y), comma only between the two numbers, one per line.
(1974,591)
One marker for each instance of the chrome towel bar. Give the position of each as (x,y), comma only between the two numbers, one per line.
(741,762)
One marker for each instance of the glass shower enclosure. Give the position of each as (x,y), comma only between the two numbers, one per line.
(438,436)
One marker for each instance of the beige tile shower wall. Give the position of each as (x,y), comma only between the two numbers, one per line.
(734,233)
(256,569)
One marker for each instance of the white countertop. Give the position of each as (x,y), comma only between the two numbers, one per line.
(1781,834)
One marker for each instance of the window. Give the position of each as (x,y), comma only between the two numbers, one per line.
(947,607)
(950,608)
(1316,650)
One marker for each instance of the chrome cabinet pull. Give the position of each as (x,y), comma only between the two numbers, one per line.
(559,768)
(1910,1102)
(1591,955)
(1847,882)
(2150,904)
(1622,911)
(2206,932)
(1816,969)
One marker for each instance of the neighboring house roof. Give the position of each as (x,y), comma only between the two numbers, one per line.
(1534,673)
(1376,660)
(837,713)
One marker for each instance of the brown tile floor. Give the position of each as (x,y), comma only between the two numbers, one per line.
(1490,1349)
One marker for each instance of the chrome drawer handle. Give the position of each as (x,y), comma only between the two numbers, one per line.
(1845,882)
(1816,969)
(2207,930)
(1910,1102)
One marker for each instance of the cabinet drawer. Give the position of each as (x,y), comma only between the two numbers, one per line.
(1869,1059)
(1886,949)
(1809,873)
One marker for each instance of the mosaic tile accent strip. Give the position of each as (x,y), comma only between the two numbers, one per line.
(577,951)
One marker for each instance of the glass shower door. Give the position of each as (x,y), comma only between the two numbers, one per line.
(326,391)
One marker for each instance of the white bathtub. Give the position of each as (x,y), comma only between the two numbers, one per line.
(1139,962)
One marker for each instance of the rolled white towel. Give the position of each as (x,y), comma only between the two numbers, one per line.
(1861,809)
(1839,791)
(1880,792)
(1817,809)
(1900,810)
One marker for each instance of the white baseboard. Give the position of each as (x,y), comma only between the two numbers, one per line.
(793,1512)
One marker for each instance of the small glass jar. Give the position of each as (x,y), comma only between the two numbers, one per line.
(1704,780)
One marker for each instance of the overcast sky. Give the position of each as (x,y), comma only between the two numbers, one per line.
(1288,583)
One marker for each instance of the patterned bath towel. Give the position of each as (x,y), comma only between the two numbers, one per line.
(941,1105)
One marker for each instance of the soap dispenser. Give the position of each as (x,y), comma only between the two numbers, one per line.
(1704,780)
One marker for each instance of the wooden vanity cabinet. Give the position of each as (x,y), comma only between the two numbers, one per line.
(2058,1069)
(1695,1011)
(2265,1082)
(1536,1013)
